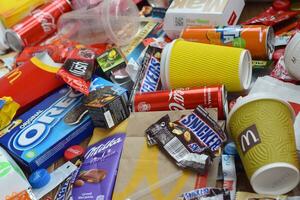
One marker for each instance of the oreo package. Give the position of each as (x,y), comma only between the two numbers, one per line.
(97,175)
(39,137)
(106,103)
(179,144)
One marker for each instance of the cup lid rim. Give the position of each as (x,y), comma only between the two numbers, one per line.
(269,167)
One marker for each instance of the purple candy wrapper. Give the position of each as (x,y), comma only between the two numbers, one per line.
(97,175)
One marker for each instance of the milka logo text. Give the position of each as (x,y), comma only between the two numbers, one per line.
(102,147)
(39,129)
(152,76)
(202,131)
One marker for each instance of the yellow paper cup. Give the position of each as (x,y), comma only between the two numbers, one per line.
(191,64)
(262,129)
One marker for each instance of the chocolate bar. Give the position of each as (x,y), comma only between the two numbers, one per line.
(204,128)
(206,194)
(178,142)
(98,172)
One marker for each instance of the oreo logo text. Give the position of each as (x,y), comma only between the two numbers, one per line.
(35,133)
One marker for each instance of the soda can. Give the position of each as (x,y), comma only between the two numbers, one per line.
(35,28)
(258,39)
(181,99)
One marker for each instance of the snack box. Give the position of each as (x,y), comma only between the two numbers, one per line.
(39,137)
(201,12)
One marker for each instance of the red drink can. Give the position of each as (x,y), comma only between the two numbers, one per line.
(181,99)
(38,26)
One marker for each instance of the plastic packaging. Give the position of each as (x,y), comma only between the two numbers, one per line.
(114,21)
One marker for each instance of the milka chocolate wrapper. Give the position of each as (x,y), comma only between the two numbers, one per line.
(146,173)
(97,175)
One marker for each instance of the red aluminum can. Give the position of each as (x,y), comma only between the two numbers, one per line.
(38,26)
(181,99)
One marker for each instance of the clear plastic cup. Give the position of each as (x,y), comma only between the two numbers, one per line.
(78,4)
(114,21)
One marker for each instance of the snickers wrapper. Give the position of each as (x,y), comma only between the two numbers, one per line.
(146,172)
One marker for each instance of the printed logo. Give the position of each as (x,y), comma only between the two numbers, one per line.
(5,168)
(152,76)
(196,193)
(232,18)
(46,20)
(195,148)
(35,133)
(98,149)
(178,97)
(249,138)
(202,131)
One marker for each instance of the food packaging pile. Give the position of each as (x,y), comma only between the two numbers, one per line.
(149,100)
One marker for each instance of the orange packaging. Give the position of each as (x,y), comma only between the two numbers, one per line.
(258,39)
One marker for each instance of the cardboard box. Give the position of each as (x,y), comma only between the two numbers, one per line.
(201,12)
(148,174)
(39,137)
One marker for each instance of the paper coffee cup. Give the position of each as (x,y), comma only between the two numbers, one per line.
(292,56)
(190,64)
(262,128)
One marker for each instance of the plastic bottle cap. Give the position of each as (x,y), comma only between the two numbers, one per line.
(73,152)
(282,4)
(39,178)
(230,149)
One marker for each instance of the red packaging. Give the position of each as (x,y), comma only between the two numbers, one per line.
(38,26)
(31,81)
(181,99)
(277,13)
(78,69)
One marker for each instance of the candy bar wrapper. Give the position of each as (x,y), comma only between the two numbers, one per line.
(272,17)
(204,128)
(178,143)
(96,178)
(280,72)
(145,172)
(206,194)
(8,109)
(149,74)
(253,196)
(78,69)
(109,61)
(229,174)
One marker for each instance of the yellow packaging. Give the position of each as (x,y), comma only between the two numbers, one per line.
(8,109)
(191,64)
(262,128)
(13,11)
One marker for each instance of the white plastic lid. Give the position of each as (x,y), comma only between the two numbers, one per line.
(292,56)
(275,179)
(245,69)
(164,66)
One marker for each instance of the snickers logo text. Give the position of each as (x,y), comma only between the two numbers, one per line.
(152,76)
(249,138)
(202,131)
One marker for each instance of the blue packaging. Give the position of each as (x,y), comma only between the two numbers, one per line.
(39,137)
(107,103)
